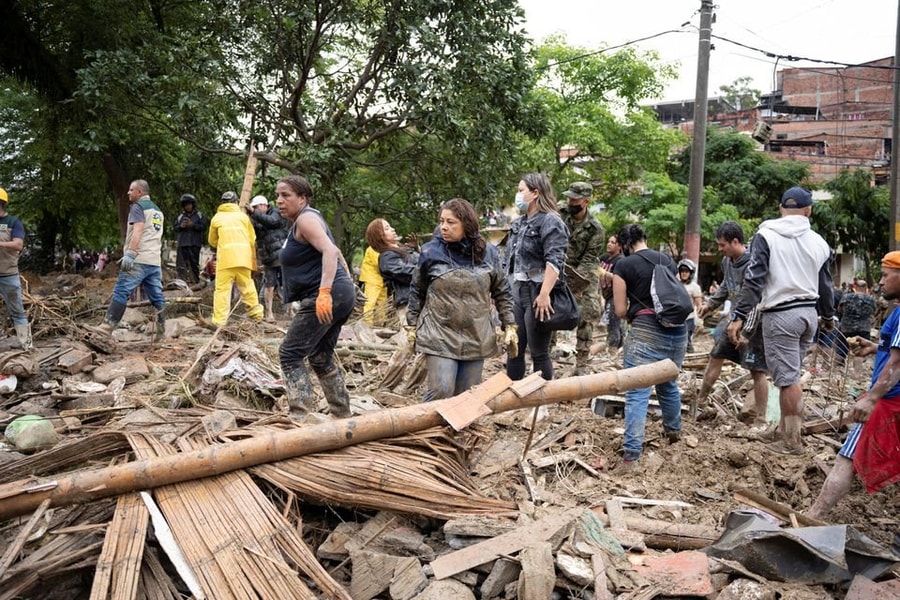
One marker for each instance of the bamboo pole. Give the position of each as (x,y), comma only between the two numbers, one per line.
(22,497)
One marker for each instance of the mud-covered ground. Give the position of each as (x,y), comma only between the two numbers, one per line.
(713,458)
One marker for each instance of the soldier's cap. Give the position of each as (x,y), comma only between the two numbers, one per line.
(229,197)
(796,197)
(891,260)
(579,190)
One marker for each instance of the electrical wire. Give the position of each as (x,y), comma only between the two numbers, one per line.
(792,58)
(616,47)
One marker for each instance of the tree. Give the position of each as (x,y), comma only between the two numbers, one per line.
(857,218)
(740,95)
(592,125)
(741,175)
(660,206)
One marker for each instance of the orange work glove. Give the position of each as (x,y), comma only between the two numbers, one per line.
(324,305)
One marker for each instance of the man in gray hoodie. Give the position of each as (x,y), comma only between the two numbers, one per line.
(750,353)
(789,279)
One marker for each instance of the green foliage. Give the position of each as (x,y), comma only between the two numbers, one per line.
(661,209)
(741,175)
(740,95)
(857,218)
(592,126)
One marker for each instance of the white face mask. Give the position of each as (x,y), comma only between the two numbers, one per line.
(521,204)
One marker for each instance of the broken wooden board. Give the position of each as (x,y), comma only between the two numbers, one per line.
(505,544)
(530,384)
(466,408)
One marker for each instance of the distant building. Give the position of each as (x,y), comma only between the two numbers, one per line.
(830,118)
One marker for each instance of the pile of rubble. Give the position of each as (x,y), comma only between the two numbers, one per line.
(170,470)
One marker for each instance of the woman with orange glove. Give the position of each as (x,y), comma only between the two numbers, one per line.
(315,276)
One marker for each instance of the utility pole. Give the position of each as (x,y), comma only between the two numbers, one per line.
(895,144)
(698,144)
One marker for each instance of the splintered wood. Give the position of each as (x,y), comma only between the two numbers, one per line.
(235,541)
(119,565)
(421,473)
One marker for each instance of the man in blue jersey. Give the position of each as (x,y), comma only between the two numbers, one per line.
(884,394)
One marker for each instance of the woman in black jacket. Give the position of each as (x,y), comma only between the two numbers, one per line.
(396,263)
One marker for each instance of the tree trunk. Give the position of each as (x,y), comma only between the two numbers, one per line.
(22,497)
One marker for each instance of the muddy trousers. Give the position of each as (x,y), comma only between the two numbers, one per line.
(448,377)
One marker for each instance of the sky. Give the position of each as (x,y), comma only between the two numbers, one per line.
(846,31)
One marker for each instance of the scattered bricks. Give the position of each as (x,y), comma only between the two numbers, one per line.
(75,361)
(132,369)
(679,574)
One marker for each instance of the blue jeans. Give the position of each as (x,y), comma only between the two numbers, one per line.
(147,276)
(648,342)
(11,291)
(537,341)
(448,377)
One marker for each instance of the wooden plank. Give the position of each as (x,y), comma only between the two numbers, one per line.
(546,440)
(470,406)
(616,515)
(652,502)
(507,543)
(530,384)
(782,511)
(12,551)
(601,592)
(529,481)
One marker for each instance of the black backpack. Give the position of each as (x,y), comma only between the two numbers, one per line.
(671,302)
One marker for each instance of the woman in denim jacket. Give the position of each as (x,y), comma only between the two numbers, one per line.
(535,256)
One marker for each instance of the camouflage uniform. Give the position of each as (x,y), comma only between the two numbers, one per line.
(587,241)
(857,312)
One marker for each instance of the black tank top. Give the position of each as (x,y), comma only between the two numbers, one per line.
(301,265)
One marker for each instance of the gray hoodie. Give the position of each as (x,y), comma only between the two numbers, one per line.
(789,267)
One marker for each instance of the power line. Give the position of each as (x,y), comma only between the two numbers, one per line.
(622,45)
(792,58)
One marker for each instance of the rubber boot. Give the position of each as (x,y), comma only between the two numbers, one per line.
(160,333)
(299,391)
(23,332)
(114,314)
(336,394)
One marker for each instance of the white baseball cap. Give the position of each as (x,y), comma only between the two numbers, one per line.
(258,200)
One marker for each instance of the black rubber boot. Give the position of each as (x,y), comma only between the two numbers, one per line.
(336,394)
(160,332)
(114,314)
(299,391)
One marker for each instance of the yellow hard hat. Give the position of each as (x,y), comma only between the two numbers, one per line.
(4,197)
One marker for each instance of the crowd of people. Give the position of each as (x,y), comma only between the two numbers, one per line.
(462,300)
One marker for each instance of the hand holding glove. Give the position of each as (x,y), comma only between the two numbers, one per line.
(411,335)
(127,262)
(324,306)
(511,340)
